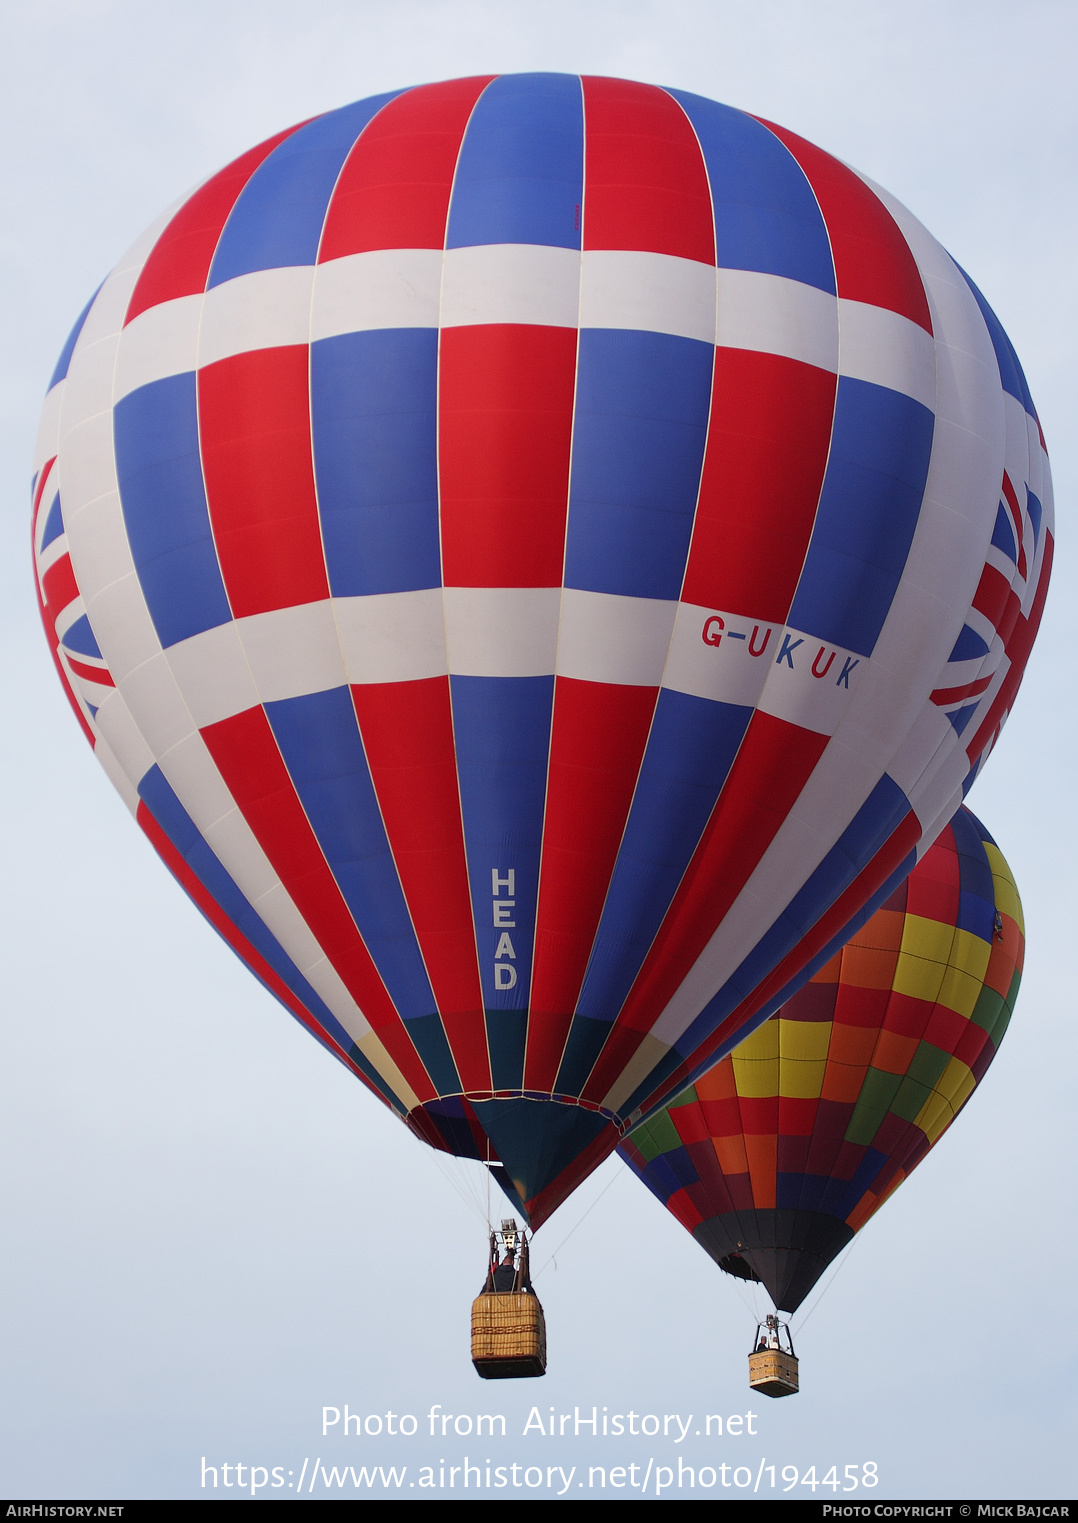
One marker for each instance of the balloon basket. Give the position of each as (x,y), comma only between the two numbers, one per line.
(508,1335)
(773,1373)
(772,1367)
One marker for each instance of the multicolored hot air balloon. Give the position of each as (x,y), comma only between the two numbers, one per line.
(777,1156)
(536,555)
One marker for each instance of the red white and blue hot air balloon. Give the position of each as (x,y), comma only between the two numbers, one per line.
(538,556)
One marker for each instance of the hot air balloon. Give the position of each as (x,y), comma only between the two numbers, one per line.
(778,1155)
(536,555)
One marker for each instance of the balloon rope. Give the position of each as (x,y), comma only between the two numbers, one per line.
(752,1306)
(843,1261)
(587,1213)
(469,1194)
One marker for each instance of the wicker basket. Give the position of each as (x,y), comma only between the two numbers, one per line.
(773,1372)
(508,1335)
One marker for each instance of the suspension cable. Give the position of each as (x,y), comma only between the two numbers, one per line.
(586,1214)
(843,1261)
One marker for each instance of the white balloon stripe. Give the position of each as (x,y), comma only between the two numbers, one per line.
(528,284)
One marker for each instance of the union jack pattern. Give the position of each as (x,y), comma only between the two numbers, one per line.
(443,585)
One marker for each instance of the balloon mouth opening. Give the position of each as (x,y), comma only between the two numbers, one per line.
(453,1124)
(539,1147)
(740,1268)
(786,1249)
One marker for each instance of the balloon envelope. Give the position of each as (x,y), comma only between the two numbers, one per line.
(777,1156)
(536,555)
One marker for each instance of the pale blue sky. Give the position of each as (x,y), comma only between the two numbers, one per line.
(215,1230)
